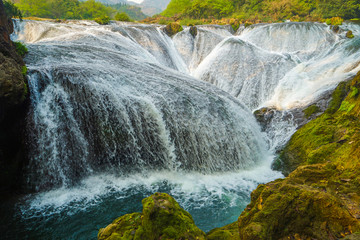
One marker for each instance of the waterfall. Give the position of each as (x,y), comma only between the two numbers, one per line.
(114,99)
(282,65)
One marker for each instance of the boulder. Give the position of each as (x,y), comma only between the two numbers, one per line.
(173,28)
(349,34)
(161,218)
(193,31)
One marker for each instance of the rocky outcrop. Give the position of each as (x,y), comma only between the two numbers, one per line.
(172,28)
(321,198)
(193,31)
(161,218)
(13,91)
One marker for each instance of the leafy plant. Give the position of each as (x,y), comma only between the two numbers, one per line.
(11,10)
(122,17)
(21,49)
(103,20)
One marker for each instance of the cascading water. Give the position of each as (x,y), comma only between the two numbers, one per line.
(117,113)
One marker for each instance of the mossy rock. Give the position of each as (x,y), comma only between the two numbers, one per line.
(228,232)
(305,205)
(321,198)
(349,34)
(161,218)
(311,110)
(173,28)
(332,136)
(193,31)
(103,20)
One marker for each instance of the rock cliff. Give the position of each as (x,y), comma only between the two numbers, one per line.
(13,92)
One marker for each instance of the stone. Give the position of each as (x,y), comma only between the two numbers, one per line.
(161,218)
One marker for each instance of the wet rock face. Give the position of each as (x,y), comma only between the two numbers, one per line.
(264,116)
(13,91)
(161,218)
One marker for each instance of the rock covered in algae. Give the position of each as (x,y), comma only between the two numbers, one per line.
(228,232)
(161,218)
(321,198)
(173,28)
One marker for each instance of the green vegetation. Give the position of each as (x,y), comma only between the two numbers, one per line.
(11,10)
(161,218)
(67,9)
(263,10)
(122,17)
(329,134)
(309,111)
(24,70)
(349,34)
(173,28)
(321,198)
(103,20)
(228,232)
(335,21)
(21,49)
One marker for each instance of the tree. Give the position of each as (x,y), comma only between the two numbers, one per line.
(122,16)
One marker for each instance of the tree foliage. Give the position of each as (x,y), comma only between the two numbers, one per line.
(65,9)
(263,9)
(122,17)
(132,11)
(11,10)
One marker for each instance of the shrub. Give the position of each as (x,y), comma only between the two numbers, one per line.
(103,20)
(21,49)
(24,70)
(122,17)
(349,34)
(334,21)
(11,10)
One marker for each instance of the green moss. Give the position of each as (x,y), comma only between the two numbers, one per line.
(21,49)
(173,28)
(335,21)
(309,111)
(24,70)
(354,92)
(235,26)
(350,34)
(338,95)
(346,106)
(161,218)
(331,145)
(228,232)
